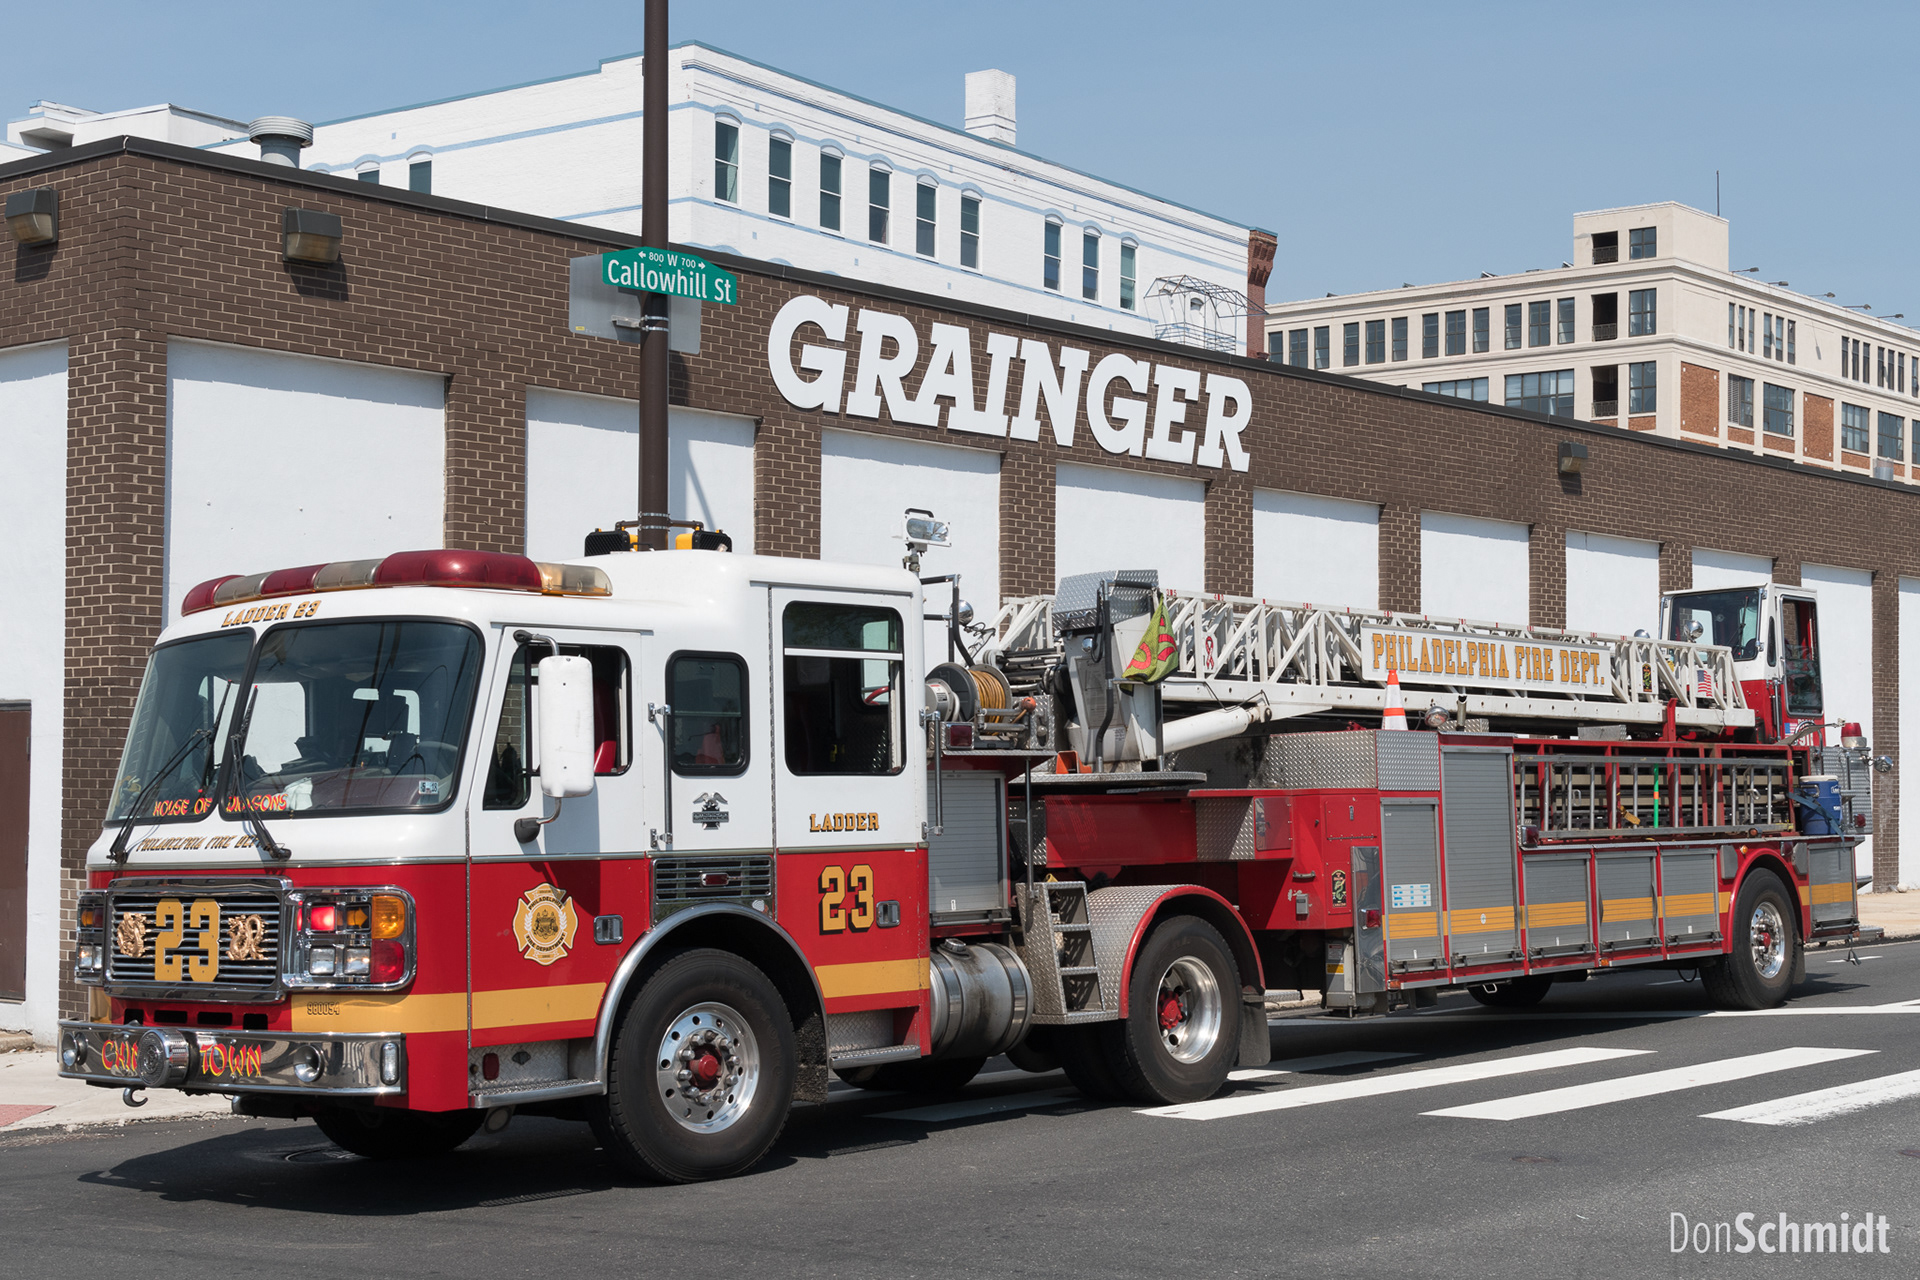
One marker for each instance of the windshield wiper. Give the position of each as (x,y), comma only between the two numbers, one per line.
(256,828)
(117,851)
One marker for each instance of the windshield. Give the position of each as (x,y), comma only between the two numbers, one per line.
(186,704)
(354,716)
(1730,618)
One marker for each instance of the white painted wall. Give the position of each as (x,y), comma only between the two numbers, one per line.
(1316,550)
(1473,568)
(866,484)
(1909,731)
(277,460)
(1846,661)
(33,521)
(1729,569)
(583,469)
(1109,519)
(1613,584)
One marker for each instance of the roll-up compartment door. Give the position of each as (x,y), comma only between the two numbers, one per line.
(966,862)
(1626,899)
(1830,883)
(1411,854)
(1558,919)
(1477,787)
(1689,896)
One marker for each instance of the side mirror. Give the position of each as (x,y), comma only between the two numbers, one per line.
(565,730)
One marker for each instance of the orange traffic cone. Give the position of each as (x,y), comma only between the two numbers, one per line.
(1395,715)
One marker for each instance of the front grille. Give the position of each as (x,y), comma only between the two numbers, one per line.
(679,883)
(243,955)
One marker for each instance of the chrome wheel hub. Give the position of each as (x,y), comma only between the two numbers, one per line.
(708,1067)
(1767,934)
(1189,1008)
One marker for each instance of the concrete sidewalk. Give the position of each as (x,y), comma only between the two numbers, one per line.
(1897,913)
(33,1096)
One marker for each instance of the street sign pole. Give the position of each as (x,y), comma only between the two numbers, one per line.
(655,368)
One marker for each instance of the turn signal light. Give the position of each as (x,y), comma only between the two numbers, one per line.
(90,917)
(389,915)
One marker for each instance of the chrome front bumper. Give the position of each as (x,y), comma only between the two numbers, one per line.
(204,1061)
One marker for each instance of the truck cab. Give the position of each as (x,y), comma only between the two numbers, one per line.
(1774,633)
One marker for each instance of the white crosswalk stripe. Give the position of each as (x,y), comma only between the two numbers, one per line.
(1317,1062)
(1376,1086)
(1599,1093)
(1825,1104)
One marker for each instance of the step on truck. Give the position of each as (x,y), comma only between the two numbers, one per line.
(659,841)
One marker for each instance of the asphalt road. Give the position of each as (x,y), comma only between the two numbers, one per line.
(1584,1125)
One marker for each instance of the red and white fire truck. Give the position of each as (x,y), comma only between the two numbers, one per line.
(659,840)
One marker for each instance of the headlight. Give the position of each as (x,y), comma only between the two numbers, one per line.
(350,938)
(90,939)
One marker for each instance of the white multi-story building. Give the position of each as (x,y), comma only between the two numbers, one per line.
(772,166)
(1647,327)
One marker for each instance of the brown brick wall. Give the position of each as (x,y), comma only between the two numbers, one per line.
(175,246)
(1817,434)
(1699,400)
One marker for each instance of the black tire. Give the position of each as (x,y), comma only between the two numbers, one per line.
(719,1017)
(1181,1035)
(927,1075)
(1758,971)
(1036,1053)
(1514,993)
(379,1133)
(1087,1055)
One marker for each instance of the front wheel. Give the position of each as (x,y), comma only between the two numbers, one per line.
(1758,969)
(701,1075)
(379,1133)
(1181,1033)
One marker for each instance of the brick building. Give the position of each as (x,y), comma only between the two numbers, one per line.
(178,400)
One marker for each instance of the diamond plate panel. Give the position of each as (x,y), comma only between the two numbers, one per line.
(867,1029)
(1408,761)
(536,1062)
(1223,829)
(1333,760)
(1116,913)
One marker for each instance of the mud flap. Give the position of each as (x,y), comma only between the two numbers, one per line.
(1256,1042)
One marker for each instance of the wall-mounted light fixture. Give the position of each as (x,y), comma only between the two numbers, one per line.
(34,216)
(307,235)
(1573,458)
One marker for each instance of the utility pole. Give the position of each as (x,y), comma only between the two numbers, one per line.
(654,365)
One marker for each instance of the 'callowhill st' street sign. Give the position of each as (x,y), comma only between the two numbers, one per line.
(669,271)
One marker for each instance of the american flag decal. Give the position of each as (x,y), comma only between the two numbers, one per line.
(1704,686)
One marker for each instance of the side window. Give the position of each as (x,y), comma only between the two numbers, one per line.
(1801,661)
(708,694)
(844,704)
(510,771)
(512,766)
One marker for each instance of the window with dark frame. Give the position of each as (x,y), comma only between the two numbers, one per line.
(1513,326)
(842,689)
(1459,388)
(708,694)
(1549,393)
(1430,336)
(1565,322)
(1642,242)
(1777,409)
(726,161)
(1129,256)
(1740,401)
(1322,346)
(1856,427)
(829,191)
(420,177)
(1376,342)
(1297,348)
(970,232)
(1642,313)
(512,766)
(1050,257)
(1350,344)
(879,203)
(1539,324)
(1791,336)
(1643,382)
(1482,329)
(1399,337)
(1090,266)
(926,208)
(1456,333)
(780,177)
(1892,437)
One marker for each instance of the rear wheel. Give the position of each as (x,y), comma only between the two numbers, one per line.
(1087,1055)
(1514,993)
(1758,969)
(381,1134)
(701,1076)
(1181,1033)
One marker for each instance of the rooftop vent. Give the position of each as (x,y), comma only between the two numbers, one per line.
(281,139)
(990,105)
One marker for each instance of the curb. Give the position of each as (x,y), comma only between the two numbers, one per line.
(15,1041)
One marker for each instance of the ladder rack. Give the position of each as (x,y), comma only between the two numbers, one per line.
(1304,659)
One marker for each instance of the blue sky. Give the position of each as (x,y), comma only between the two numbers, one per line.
(1385,144)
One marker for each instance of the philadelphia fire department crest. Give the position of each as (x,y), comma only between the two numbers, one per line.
(544,923)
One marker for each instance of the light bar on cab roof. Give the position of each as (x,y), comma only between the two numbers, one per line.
(444,568)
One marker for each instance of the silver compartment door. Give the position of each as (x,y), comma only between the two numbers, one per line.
(1689,896)
(966,862)
(1410,837)
(1559,920)
(1626,899)
(1477,786)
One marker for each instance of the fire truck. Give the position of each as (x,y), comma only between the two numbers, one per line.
(662,840)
